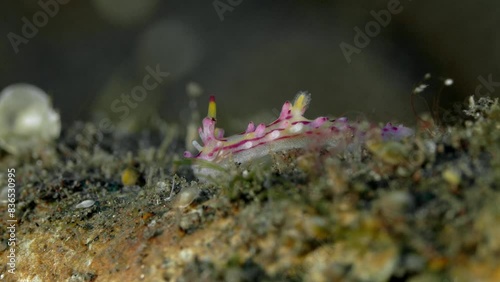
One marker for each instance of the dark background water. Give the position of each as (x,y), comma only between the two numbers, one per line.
(253,56)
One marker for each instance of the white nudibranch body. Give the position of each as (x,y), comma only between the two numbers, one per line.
(290,131)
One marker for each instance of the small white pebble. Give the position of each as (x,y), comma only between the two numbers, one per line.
(85,204)
(186,255)
(162,186)
(448,82)
(186,197)
(152,223)
(430,146)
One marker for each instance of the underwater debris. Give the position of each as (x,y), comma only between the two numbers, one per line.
(85,204)
(27,118)
(132,176)
(290,131)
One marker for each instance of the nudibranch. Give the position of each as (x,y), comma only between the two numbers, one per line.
(291,130)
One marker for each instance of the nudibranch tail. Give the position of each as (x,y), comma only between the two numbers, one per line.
(391,132)
(291,130)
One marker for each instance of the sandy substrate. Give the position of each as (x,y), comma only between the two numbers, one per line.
(101,209)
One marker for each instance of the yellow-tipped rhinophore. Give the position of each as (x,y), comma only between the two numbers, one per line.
(301,102)
(212,108)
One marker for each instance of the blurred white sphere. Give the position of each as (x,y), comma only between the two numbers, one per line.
(27,118)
